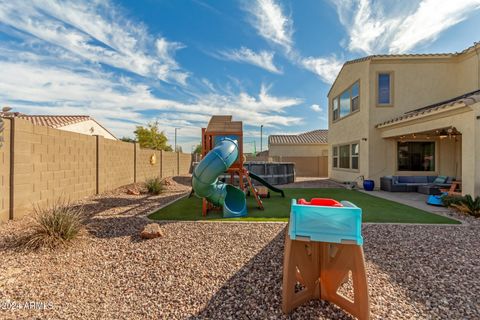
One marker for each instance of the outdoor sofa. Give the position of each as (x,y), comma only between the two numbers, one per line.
(421,184)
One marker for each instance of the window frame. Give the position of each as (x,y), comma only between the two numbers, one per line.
(435,155)
(336,111)
(334,156)
(357,155)
(337,98)
(391,89)
(350,156)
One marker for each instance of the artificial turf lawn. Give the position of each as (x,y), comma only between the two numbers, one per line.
(278,209)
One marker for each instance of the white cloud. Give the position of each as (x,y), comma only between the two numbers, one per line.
(397,27)
(326,68)
(262,59)
(271,23)
(58,63)
(316,108)
(97,33)
(121,103)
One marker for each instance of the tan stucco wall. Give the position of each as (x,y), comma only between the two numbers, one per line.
(354,127)
(297,150)
(416,83)
(85,127)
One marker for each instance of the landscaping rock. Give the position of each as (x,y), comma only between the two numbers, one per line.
(151,231)
(228,270)
(168,181)
(133,191)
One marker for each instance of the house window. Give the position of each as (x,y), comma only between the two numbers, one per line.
(345,156)
(355,97)
(354,156)
(335,157)
(335,107)
(347,102)
(416,156)
(384,89)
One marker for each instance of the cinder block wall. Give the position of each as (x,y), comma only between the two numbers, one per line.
(5,173)
(184,162)
(115,164)
(145,169)
(50,164)
(169,164)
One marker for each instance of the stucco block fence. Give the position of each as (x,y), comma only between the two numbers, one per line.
(40,165)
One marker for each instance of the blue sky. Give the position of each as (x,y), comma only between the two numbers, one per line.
(267,62)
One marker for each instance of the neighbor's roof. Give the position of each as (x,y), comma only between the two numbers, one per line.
(311,137)
(53,121)
(463,100)
(405,56)
(57,121)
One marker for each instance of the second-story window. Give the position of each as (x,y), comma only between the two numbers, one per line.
(384,89)
(347,102)
(355,96)
(336,108)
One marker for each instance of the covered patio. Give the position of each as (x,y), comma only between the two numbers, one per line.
(441,140)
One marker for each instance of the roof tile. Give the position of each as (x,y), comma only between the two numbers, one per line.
(53,121)
(310,137)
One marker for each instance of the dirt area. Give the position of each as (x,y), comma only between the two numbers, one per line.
(226,270)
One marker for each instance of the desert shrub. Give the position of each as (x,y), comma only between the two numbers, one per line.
(469,206)
(154,185)
(54,225)
(448,200)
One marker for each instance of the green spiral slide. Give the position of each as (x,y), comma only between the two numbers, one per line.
(205,180)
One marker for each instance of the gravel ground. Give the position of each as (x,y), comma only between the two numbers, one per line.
(228,270)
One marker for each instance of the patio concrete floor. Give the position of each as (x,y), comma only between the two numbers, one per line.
(412,199)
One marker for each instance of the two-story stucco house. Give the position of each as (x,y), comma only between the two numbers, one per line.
(412,114)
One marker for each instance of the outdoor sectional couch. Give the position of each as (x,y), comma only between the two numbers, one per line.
(422,184)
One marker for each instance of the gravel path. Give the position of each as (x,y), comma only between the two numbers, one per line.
(229,270)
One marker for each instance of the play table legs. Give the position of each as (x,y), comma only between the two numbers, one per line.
(322,268)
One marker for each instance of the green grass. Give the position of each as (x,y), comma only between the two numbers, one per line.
(278,209)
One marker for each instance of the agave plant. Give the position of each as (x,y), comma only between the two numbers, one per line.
(469,206)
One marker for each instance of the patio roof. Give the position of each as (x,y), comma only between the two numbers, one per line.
(460,101)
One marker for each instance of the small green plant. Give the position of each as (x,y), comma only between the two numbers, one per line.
(469,206)
(448,200)
(154,185)
(54,226)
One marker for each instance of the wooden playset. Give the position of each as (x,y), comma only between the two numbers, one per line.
(220,127)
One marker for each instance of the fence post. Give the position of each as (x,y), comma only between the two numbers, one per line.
(178,163)
(134,162)
(12,167)
(161,164)
(100,163)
